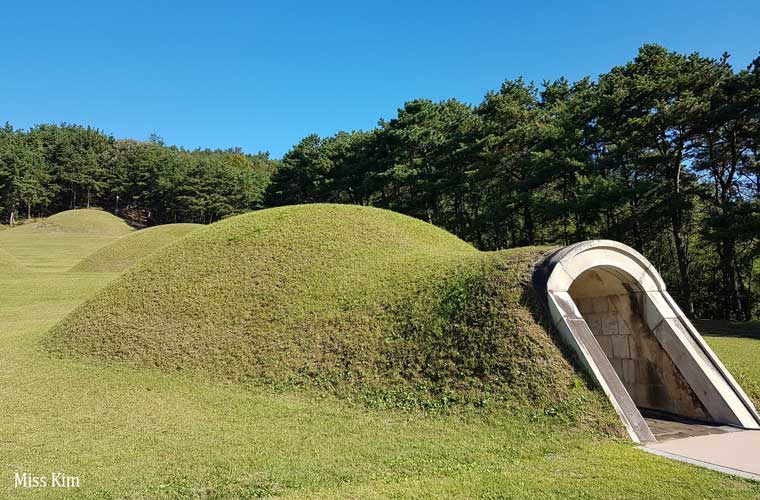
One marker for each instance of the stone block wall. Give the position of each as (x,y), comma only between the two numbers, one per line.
(646,370)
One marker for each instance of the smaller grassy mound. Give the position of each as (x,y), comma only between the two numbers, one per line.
(85,221)
(126,252)
(10,264)
(62,240)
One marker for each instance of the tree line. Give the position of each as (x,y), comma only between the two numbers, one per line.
(660,153)
(51,168)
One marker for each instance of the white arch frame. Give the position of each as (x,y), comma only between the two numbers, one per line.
(721,395)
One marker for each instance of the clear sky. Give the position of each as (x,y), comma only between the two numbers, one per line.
(261,75)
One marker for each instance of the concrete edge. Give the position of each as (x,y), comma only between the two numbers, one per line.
(699,463)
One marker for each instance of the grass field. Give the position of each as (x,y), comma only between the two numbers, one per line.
(61,241)
(135,432)
(738,346)
(10,263)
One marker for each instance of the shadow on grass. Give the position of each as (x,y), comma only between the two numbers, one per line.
(726,328)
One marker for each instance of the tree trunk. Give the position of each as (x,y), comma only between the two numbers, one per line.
(733,305)
(530,229)
(676,217)
(683,262)
(744,293)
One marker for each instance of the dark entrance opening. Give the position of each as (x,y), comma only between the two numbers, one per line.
(611,303)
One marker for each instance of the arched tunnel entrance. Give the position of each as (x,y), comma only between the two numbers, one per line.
(611,303)
(611,307)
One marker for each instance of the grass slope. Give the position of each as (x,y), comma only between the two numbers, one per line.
(145,434)
(60,241)
(126,252)
(361,301)
(10,264)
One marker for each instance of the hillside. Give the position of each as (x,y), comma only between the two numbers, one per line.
(61,240)
(126,252)
(10,264)
(361,301)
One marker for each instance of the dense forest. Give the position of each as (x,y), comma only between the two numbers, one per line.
(57,167)
(660,153)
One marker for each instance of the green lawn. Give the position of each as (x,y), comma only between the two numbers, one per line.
(738,346)
(63,240)
(140,433)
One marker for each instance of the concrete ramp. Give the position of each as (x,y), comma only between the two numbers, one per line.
(612,309)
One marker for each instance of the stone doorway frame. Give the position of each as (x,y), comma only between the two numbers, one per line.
(717,390)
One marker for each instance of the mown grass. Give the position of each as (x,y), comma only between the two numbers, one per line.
(145,434)
(59,242)
(10,263)
(92,221)
(734,342)
(142,433)
(127,251)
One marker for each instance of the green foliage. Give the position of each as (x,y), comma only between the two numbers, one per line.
(659,153)
(24,181)
(167,185)
(56,167)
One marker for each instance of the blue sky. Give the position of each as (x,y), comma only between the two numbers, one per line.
(261,75)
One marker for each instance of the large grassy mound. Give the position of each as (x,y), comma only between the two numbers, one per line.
(60,241)
(126,252)
(362,301)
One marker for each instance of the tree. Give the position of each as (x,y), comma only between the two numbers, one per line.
(23,178)
(650,109)
(727,158)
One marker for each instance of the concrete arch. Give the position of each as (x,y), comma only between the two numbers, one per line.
(612,308)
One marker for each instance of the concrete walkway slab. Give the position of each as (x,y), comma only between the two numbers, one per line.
(665,429)
(735,453)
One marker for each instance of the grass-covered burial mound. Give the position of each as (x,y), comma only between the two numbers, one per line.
(84,221)
(364,302)
(60,241)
